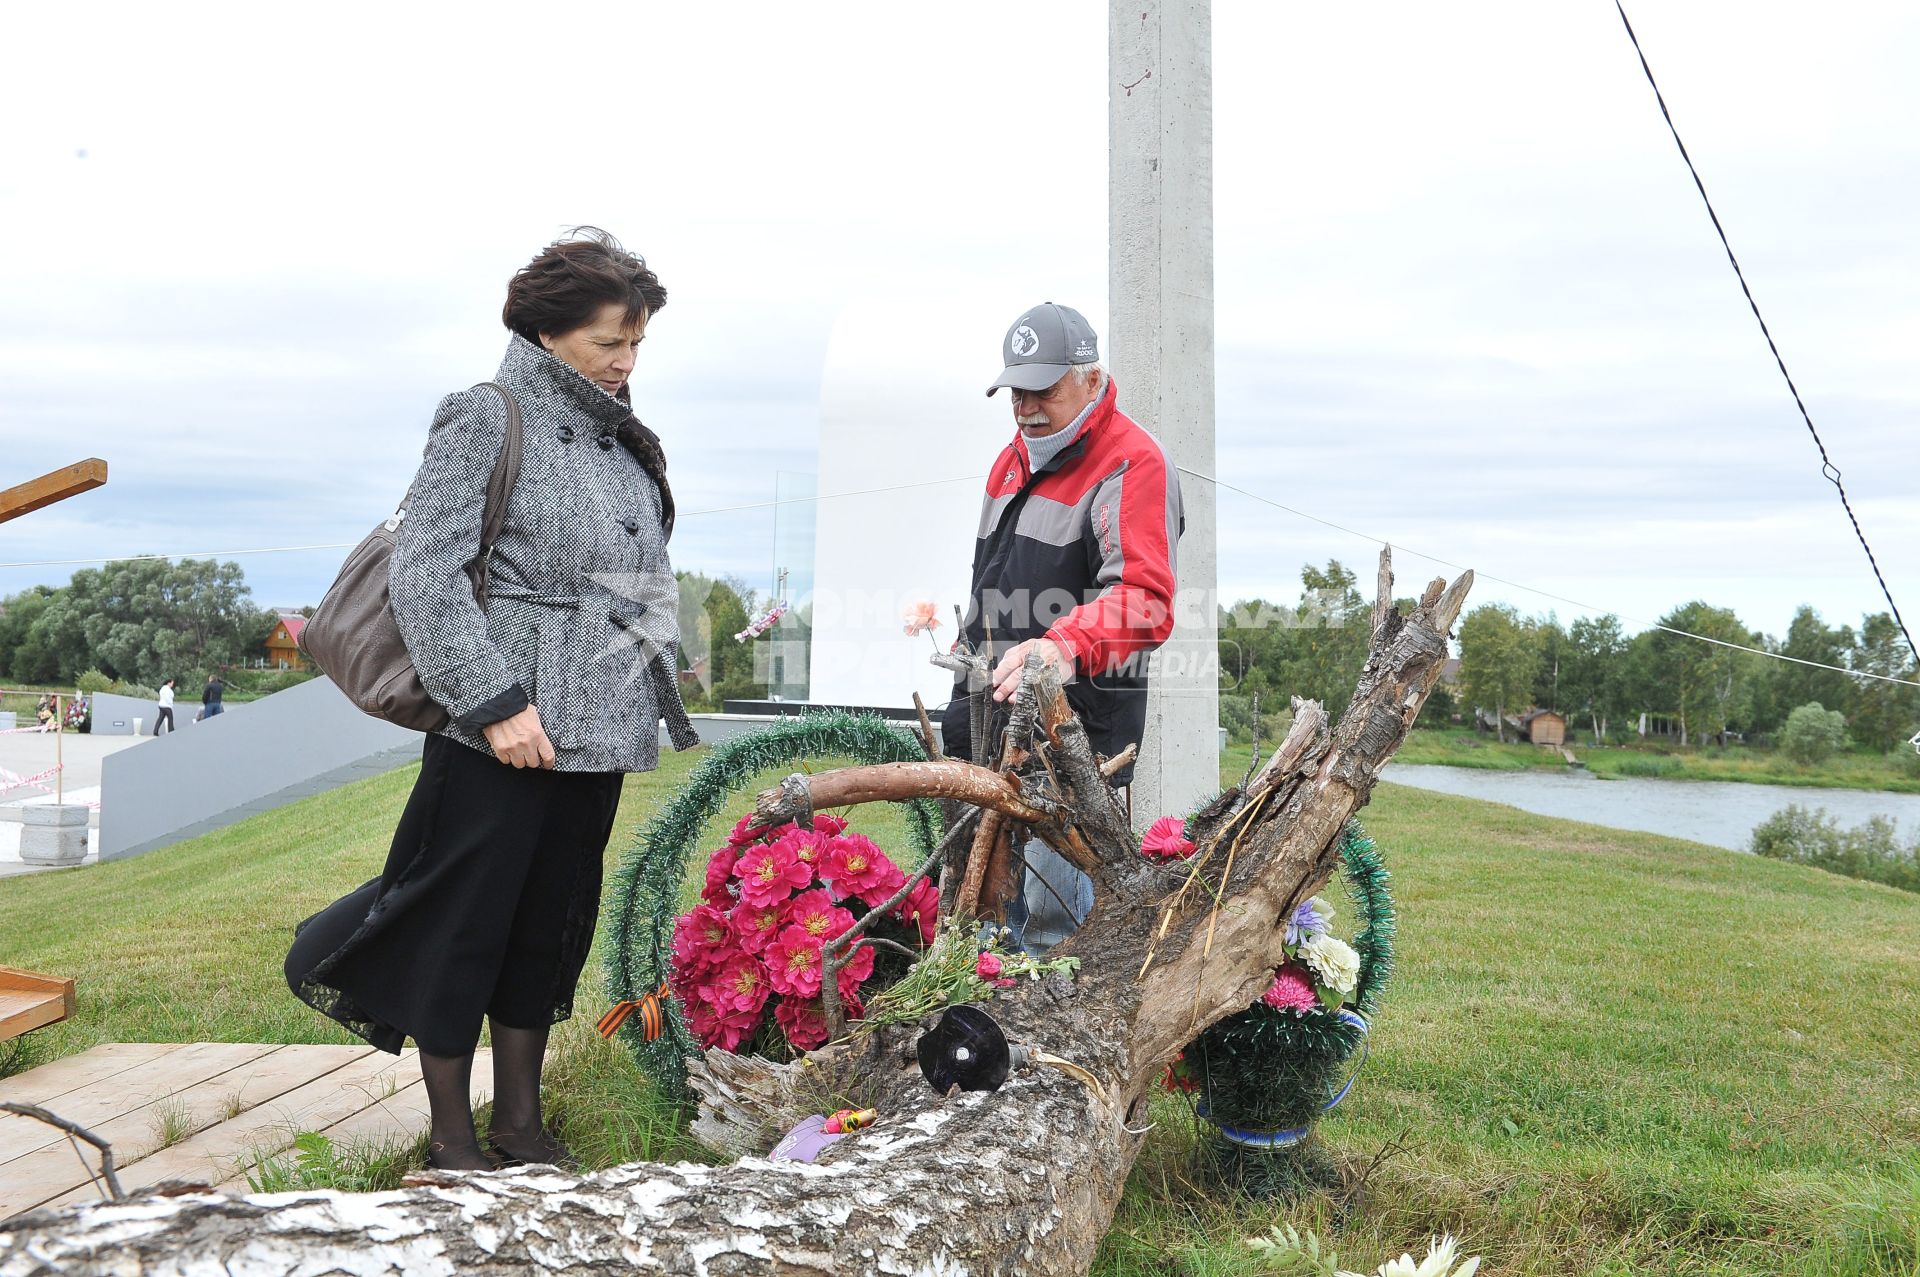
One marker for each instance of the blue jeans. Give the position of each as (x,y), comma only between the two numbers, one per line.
(1055,899)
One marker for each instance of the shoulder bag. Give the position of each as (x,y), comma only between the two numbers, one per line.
(352,637)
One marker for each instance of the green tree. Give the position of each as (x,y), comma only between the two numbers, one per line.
(1553,657)
(712,611)
(25,658)
(1813,734)
(1703,683)
(1327,643)
(1811,639)
(1500,656)
(1884,714)
(1593,678)
(144,620)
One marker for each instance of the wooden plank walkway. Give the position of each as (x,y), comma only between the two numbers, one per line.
(202,1111)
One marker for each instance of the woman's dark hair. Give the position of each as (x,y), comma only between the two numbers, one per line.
(565,286)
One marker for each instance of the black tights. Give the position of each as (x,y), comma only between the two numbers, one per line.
(516,1132)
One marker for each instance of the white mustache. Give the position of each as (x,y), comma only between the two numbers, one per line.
(1030,419)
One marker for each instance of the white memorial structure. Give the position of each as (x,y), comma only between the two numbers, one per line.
(913,439)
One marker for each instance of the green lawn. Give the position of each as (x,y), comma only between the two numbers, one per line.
(1605,1052)
(1860,769)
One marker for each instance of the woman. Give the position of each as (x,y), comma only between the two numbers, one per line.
(488,901)
(165,717)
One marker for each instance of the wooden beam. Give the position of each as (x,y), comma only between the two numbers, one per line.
(68,481)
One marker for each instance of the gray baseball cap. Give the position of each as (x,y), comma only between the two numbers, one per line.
(1043,344)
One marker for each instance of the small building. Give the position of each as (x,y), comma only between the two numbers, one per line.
(283,645)
(1544,727)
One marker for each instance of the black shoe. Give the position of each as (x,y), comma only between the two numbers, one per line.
(542,1150)
(472,1158)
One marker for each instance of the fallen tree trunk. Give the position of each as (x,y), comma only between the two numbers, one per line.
(1023,1180)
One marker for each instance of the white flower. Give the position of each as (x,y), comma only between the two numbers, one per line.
(1321,907)
(1438,1263)
(1334,964)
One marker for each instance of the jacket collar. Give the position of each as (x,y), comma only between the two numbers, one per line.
(536,376)
(1092,419)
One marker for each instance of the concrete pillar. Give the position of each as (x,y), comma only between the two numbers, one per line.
(1160,302)
(53,833)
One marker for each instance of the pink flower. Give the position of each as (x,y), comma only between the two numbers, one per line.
(1005,982)
(805,1022)
(828,824)
(1292,989)
(922,905)
(855,866)
(719,889)
(739,986)
(886,882)
(701,939)
(806,846)
(815,913)
(740,837)
(921,616)
(1166,840)
(726,1030)
(769,873)
(755,926)
(793,963)
(987,966)
(859,967)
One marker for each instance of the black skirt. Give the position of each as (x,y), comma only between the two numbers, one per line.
(486,907)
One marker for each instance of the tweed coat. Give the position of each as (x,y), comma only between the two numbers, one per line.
(582,612)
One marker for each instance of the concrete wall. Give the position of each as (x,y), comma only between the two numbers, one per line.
(302,741)
(113,714)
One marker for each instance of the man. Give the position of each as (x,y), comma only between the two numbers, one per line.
(211,695)
(1074,560)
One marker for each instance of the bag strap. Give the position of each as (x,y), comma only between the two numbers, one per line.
(506,471)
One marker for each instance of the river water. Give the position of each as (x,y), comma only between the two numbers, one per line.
(1717,812)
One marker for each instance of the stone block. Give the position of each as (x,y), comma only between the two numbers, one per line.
(53,833)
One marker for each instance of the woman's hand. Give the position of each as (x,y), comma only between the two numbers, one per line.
(520,741)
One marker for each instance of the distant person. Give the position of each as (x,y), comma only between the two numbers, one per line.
(1074,561)
(47,712)
(210,697)
(491,891)
(165,716)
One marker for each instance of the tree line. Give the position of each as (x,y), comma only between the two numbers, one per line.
(1601,678)
(137,621)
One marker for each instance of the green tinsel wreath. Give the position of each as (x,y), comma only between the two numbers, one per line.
(647,883)
(1266,1070)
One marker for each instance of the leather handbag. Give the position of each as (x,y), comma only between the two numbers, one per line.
(352,637)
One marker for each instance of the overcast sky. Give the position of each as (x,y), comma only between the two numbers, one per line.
(1468,299)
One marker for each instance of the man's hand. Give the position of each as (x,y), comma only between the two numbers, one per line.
(1006,675)
(520,741)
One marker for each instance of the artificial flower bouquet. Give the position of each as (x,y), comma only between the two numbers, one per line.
(1273,1066)
(747,960)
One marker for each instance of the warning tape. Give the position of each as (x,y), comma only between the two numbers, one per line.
(13,780)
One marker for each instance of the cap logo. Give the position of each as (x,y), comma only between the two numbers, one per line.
(1023,342)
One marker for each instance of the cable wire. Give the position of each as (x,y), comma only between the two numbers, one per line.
(1827,468)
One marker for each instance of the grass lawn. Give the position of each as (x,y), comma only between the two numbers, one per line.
(1604,1053)
(1898,771)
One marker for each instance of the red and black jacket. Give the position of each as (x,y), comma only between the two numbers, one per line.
(1081,553)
